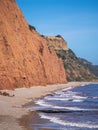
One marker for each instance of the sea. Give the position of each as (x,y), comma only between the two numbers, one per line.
(67,109)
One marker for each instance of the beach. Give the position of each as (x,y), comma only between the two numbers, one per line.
(11,108)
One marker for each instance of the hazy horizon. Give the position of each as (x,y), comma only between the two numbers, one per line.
(75,20)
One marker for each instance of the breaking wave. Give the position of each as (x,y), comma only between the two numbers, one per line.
(67,123)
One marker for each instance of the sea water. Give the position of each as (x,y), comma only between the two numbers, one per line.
(68,109)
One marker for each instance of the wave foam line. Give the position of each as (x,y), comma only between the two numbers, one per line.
(72,124)
(56,98)
(74,99)
(44,104)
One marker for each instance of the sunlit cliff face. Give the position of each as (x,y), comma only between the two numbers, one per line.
(25,59)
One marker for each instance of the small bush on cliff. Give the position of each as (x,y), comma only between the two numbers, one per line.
(78,79)
(32,28)
(59,36)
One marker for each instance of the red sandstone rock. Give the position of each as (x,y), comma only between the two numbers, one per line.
(25,59)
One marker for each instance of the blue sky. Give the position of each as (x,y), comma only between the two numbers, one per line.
(75,20)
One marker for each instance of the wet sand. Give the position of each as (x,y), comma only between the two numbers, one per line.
(11,108)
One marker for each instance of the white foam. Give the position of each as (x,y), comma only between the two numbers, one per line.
(62,92)
(44,104)
(79,109)
(67,88)
(56,98)
(77,100)
(65,99)
(75,96)
(84,84)
(79,97)
(75,108)
(95,97)
(66,123)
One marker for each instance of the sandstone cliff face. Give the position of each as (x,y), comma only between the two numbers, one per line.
(25,59)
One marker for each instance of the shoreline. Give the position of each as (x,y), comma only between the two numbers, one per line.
(11,108)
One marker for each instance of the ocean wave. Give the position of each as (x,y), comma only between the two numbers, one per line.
(64,99)
(84,84)
(77,100)
(66,123)
(95,97)
(79,97)
(43,103)
(80,109)
(68,96)
(54,108)
(56,98)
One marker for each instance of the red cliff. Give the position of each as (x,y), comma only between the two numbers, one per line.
(25,59)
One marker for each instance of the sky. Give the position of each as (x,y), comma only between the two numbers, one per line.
(75,20)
